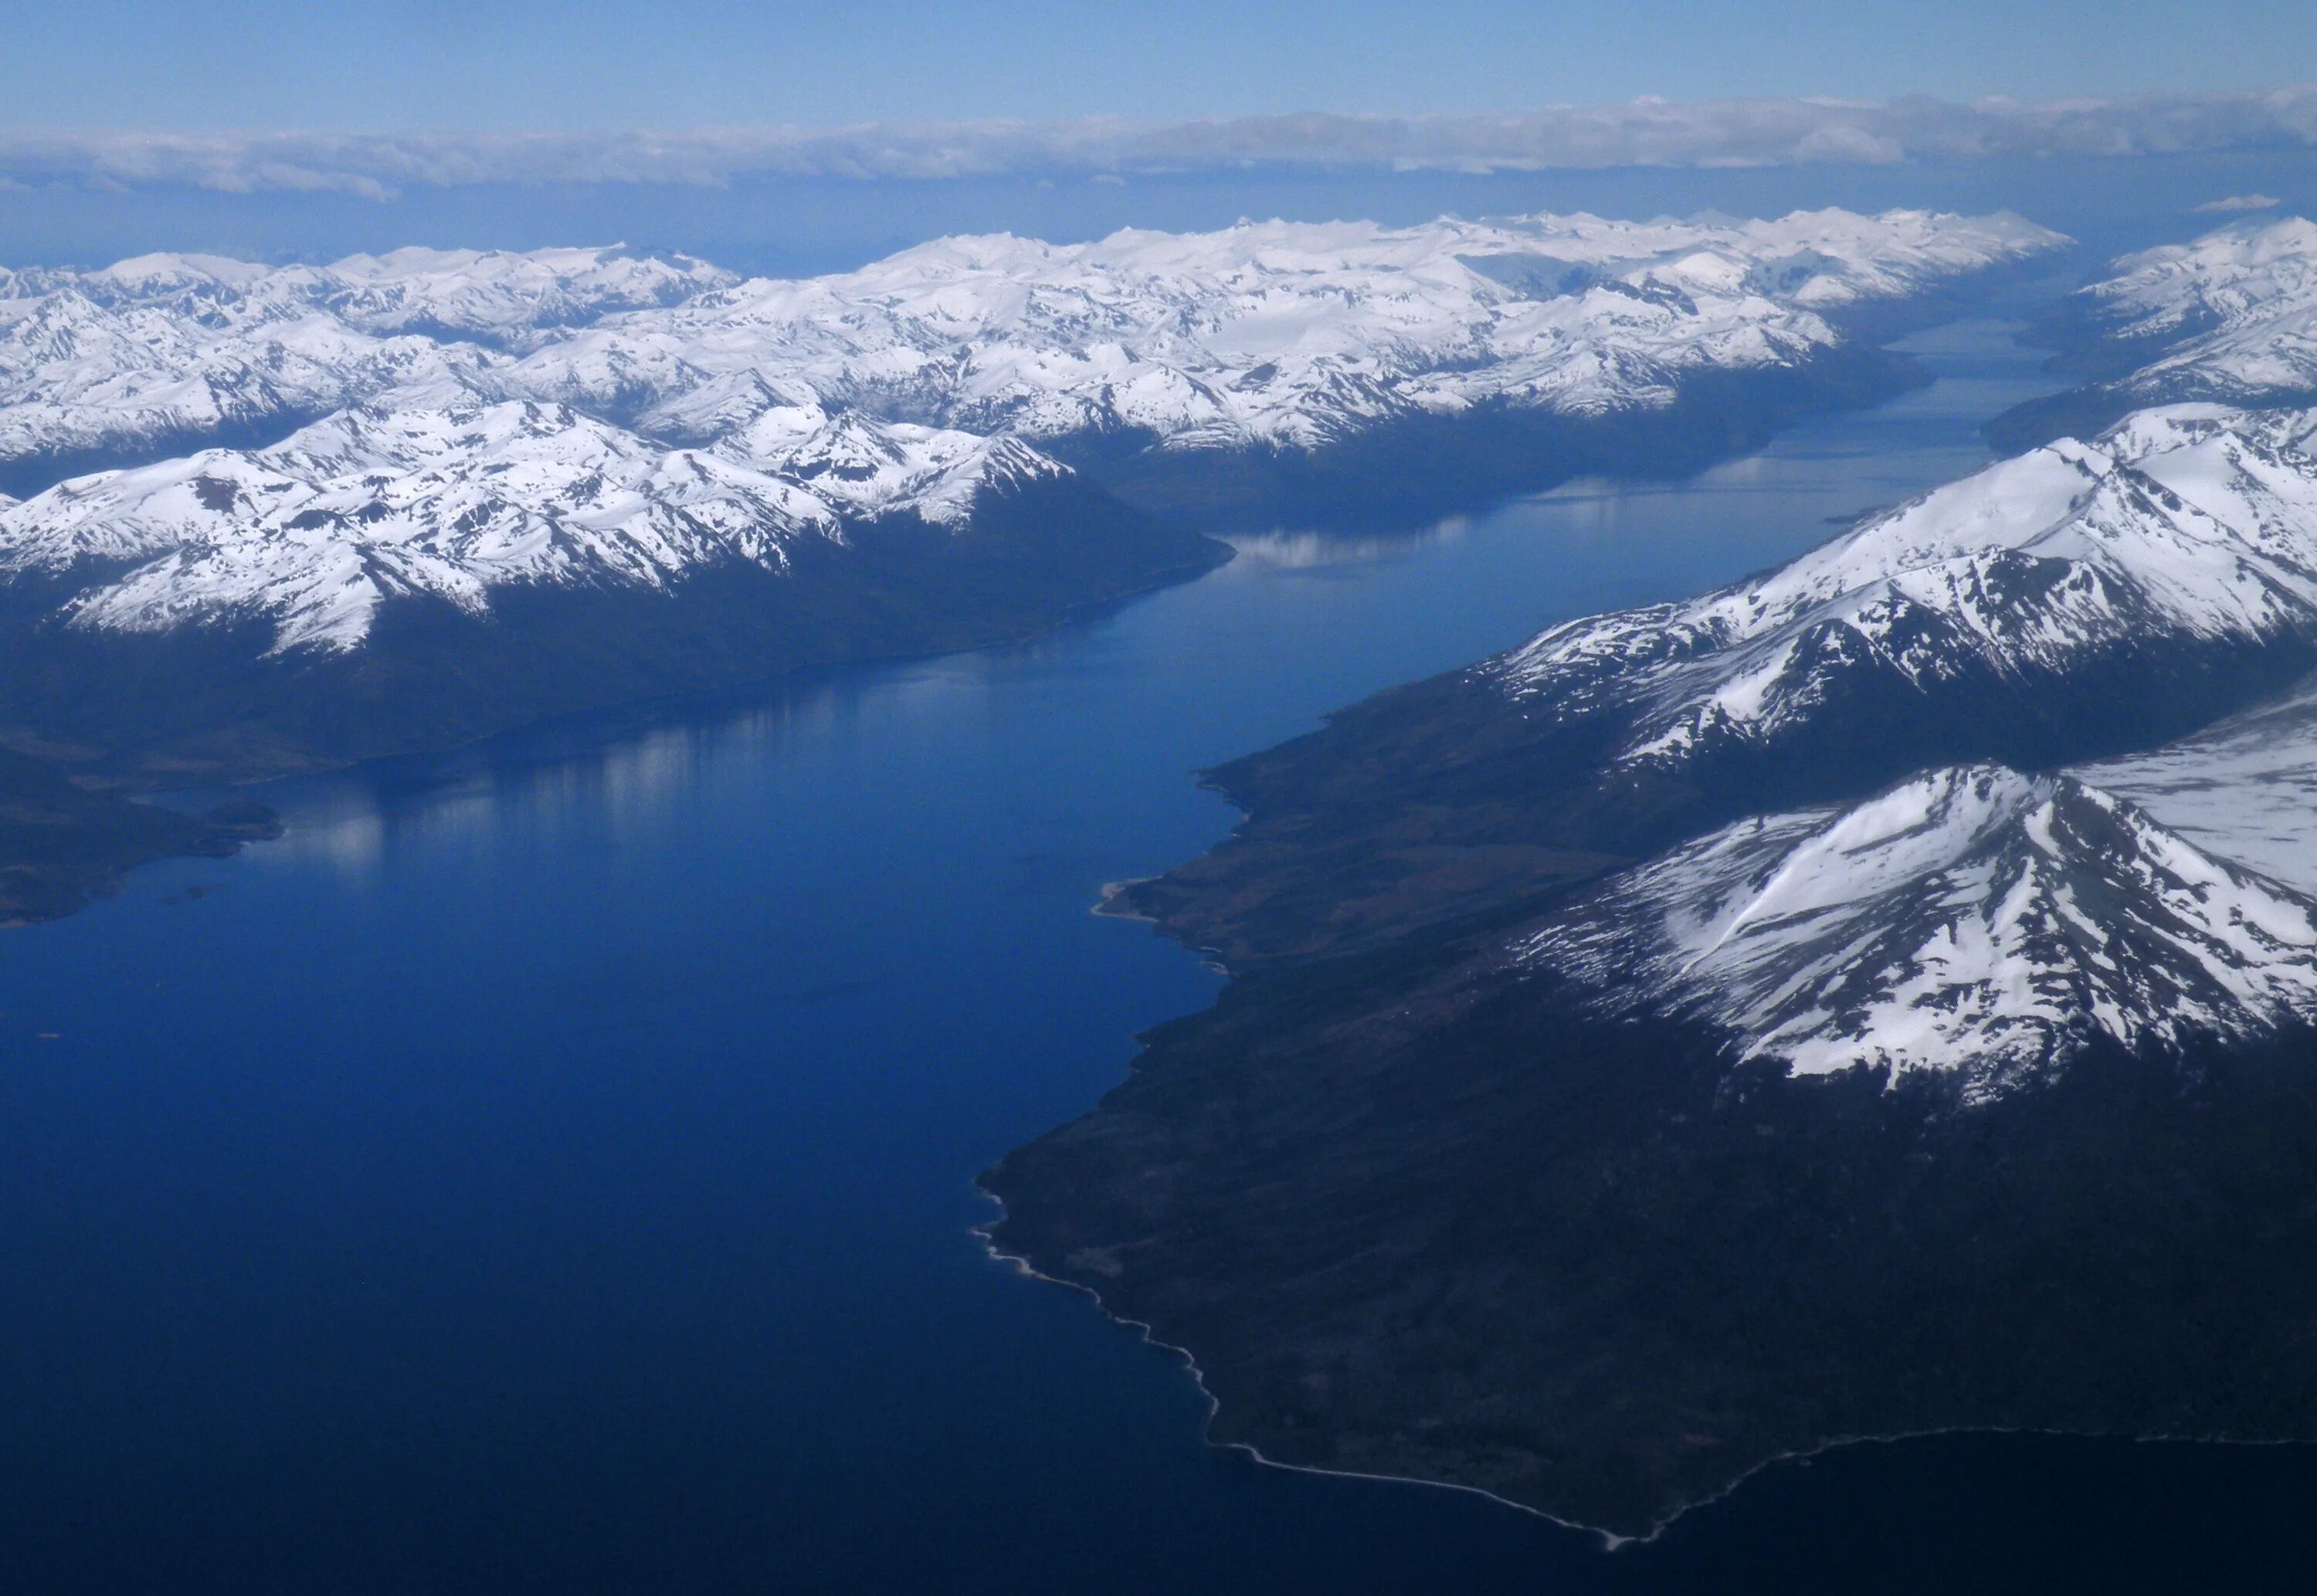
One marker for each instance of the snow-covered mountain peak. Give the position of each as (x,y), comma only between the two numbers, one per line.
(313,535)
(162,274)
(2240,305)
(2189,524)
(417,494)
(1973,919)
(867,467)
(1270,334)
(1277,334)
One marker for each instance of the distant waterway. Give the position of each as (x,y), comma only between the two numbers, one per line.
(548,1168)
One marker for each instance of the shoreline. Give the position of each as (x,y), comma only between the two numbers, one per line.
(1171,577)
(645,711)
(1020,1265)
(1610,1540)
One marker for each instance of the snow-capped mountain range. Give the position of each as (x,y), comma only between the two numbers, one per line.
(1978,919)
(313,534)
(2192,522)
(1278,335)
(178,347)
(2236,310)
(602,416)
(601,420)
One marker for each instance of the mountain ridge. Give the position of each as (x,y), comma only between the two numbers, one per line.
(1268,336)
(2228,318)
(2082,601)
(470,441)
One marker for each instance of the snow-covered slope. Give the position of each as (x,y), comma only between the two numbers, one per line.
(168,346)
(865,468)
(1272,335)
(1275,335)
(2190,524)
(2239,307)
(2245,789)
(1973,919)
(314,533)
(592,414)
(510,299)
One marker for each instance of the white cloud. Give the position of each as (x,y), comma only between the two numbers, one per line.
(2236,203)
(1647,132)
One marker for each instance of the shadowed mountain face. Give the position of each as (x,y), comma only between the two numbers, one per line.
(1427,1213)
(429,671)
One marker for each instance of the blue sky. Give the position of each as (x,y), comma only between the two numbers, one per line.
(561,63)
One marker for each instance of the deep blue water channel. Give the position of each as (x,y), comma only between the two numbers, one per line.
(548,1168)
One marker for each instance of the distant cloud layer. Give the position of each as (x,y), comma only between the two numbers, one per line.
(1644,133)
(2238,202)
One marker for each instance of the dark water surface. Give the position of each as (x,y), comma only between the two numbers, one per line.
(548,1168)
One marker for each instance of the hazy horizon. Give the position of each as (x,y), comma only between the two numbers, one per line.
(796,227)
